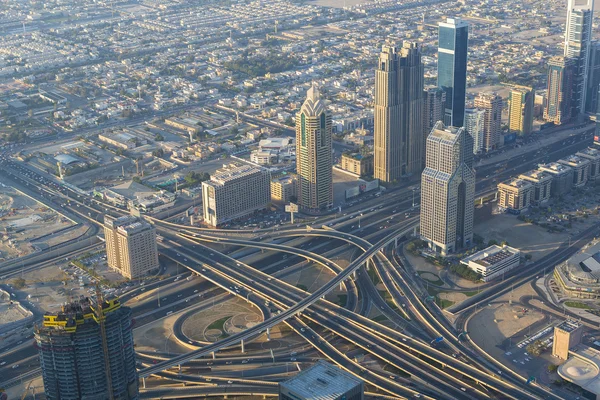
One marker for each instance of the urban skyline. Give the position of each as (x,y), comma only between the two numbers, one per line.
(284,198)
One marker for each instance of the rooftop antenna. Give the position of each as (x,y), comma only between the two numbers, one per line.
(276,24)
(23,26)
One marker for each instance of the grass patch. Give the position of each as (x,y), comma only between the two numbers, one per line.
(471,293)
(388,299)
(218,324)
(342,299)
(437,282)
(380,318)
(373,275)
(302,287)
(443,303)
(577,304)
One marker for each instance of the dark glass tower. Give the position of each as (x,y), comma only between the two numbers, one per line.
(452,68)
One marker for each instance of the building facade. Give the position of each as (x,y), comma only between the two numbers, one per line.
(491,103)
(578,36)
(515,195)
(130,246)
(562,177)
(521,110)
(72,353)
(542,184)
(448,190)
(314,161)
(233,192)
(359,164)
(580,167)
(322,381)
(593,155)
(566,336)
(452,68)
(593,82)
(475,126)
(398,112)
(434,100)
(559,91)
(493,262)
(284,189)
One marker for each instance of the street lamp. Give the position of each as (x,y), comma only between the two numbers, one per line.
(413,193)
(359,215)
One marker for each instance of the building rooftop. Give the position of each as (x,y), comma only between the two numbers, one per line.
(582,369)
(518,183)
(586,263)
(66,159)
(574,160)
(589,152)
(232,172)
(568,325)
(555,167)
(322,381)
(491,255)
(536,175)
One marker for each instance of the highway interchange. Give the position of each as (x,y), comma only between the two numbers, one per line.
(452,369)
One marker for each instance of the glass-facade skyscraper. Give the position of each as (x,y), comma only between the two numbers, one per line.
(452,68)
(578,35)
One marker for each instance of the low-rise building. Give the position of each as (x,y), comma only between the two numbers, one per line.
(263,157)
(187,124)
(593,155)
(583,369)
(322,381)
(493,261)
(284,189)
(579,276)
(233,192)
(361,165)
(515,195)
(542,184)
(580,166)
(562,178)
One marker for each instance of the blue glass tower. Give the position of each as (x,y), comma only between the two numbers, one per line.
(452,68)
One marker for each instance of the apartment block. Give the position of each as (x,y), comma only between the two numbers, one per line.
(130,246)
(580,166)
(593,155)
(491,103)
(515,195)
(562,177)
(361,165)
(542,184)
(284,189)
(233,192)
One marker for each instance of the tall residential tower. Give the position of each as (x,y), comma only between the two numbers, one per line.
(452,68)
(491,103)
(578,35)
(520,109)
(74,356)
(313,153)
(448,190)
(398,112)
(560,90)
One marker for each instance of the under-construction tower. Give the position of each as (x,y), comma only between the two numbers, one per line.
(86,351)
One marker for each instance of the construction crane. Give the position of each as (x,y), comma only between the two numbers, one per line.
(100,320)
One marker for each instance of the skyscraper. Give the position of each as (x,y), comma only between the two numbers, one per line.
(313,153)
(130,246)
(475,126)
(520,109)
(452,68)
(491,103)
(593,82)
(72,352)
(559,91)
(448,190)
(434,100)
(398,112)
(578,34)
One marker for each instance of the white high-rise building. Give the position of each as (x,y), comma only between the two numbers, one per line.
(578,36)
(475,126)
(448,190)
